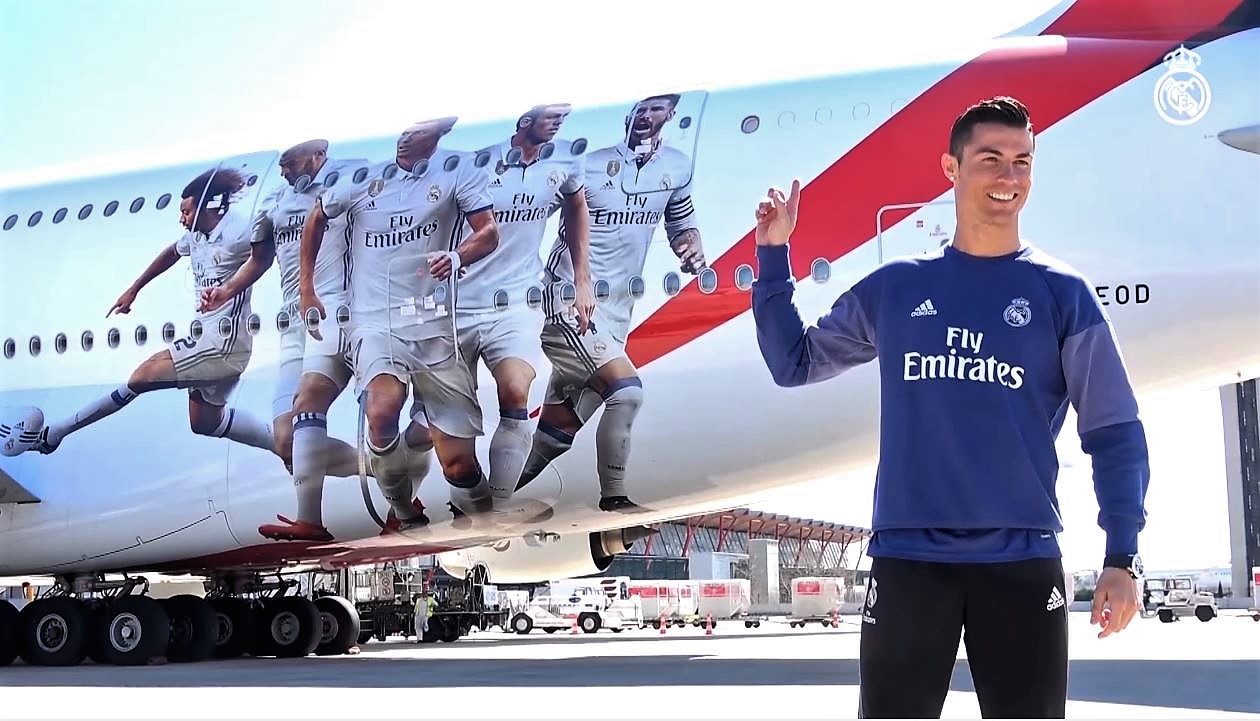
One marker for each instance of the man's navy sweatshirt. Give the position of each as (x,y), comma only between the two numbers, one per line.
(979,358)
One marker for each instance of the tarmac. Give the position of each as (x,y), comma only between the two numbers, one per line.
(1186,669)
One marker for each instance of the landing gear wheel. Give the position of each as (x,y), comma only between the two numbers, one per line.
(339,625)
(289,627)
(194,628)
(8,633)
(54,632)
(523,624)
(450,631)
(589,623)
(234,626)
(132,630)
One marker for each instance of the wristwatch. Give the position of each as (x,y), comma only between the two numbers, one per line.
(1130,562)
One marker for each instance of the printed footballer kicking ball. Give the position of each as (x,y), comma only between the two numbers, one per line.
(19,429)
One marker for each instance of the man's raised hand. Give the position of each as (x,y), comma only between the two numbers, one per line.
(776,215)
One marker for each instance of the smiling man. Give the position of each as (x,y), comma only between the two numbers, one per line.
(981,346)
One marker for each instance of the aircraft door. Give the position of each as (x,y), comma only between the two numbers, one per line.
(913,229)
(660,123)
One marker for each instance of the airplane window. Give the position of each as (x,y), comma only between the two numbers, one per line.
(113,338)
(343,315)
(548,149)
(439,294)
(390,171)
(195,330)
(34,345)
(252,179)
(750,124)
(168,332)
(331,179)
(514,156)
(685,122)
(253,323)
(568,293)
(820,270)
(34,219)
(673,283)
(500,300)
(360,175)
(87,340)
(60,215)
(420,168)
(861,111)
(637,287)
(10,221)
(482,159)
(225,327)
(110,208)
(282,321)
(451,163)
(10,348)
(141,335)
(310,320)
(708,280)
(744,277)
(533,296)
(602,290)
(163,201)
(787,119)
(822,115)
(578,147)
(60,343)
(136,205)
(85,211)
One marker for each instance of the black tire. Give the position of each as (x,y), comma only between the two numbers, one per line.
(339,625)
(451,631)
(523,624)
(9,616)
(289,627)
(551,630)
(132,631)
(54,632)
(1204,613)
(234,626)
(589,623)
(194,628)
(1166,616)
(365,636)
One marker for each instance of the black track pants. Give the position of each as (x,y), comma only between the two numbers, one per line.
(1014,616)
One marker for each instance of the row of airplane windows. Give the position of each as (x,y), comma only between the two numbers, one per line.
(748,125)
(820,272)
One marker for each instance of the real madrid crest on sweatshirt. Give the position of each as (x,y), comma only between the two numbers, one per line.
(979,358)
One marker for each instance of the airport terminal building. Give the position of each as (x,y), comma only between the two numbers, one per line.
(743,543)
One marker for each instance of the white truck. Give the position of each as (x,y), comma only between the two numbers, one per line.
(588,602)
(1171,598)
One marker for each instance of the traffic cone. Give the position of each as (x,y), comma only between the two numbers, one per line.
(574,631)
(708,625)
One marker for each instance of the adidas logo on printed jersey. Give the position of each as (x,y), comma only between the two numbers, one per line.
(1055,600)
(925,308)
(608,185)
(496,183)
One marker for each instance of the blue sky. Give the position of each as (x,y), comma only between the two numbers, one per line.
(92,87)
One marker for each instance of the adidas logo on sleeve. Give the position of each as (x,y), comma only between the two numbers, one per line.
(1055,600)
(925,308)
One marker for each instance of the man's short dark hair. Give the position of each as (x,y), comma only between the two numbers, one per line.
(671,98)
(1002,110)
